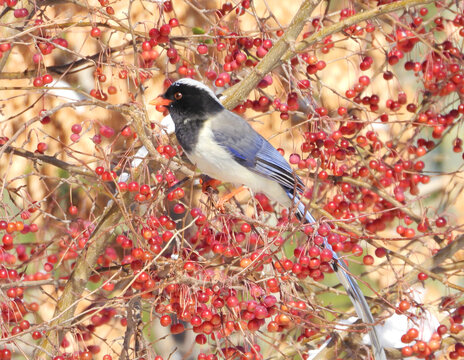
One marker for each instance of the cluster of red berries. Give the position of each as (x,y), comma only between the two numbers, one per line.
(13,308)
(46,47)
(40,81)
(422,349)
(167,151)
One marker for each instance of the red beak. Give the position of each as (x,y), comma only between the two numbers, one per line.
(160,101)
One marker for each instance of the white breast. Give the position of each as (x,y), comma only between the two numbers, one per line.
(216,162)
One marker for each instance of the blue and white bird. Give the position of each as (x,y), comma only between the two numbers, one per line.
(225,147)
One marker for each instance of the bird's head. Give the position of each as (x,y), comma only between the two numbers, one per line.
(188,99)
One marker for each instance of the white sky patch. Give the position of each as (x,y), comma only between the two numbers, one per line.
(137,160)
(168,125)
(64,91)
(391,330)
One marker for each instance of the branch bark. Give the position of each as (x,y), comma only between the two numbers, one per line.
(67,68)
(237,93)
(66,306)
(432,264)
(352,20)
(52,160)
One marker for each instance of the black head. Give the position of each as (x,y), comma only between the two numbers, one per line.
(191,100)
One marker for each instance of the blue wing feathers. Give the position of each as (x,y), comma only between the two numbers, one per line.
(253,151)
(237,155)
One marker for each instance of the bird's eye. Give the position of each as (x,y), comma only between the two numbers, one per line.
(178,96)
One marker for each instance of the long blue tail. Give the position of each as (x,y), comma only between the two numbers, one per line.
(350,284)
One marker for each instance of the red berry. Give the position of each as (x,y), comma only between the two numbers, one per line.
(404,305)
(440,222)
(422,276)
(380,252)
(106,131)
(173,23)
(177,328)
(73,210)
(41,147)
(20,13)
(202,49)
(407,351)
(165,30)
(95,32)
(368,260)
(76,128)
(47,79)
(323,175)
(38,81)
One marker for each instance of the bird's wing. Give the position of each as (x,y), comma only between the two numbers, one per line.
(253,151)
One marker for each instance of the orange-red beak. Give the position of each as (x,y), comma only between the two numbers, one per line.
(160,101)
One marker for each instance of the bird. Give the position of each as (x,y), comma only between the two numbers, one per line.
(224,146)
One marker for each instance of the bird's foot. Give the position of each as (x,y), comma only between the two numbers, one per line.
(227,197)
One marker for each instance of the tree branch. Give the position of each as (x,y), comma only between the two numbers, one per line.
(237,93)
(352,20)
(52,160)
(66,306)
(433,263)
(285,49)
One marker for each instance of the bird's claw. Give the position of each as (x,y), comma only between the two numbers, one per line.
(227,197)
(220,205)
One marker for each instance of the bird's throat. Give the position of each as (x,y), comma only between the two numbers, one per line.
(187,131)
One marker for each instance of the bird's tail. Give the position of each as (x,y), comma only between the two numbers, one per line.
(350,284)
